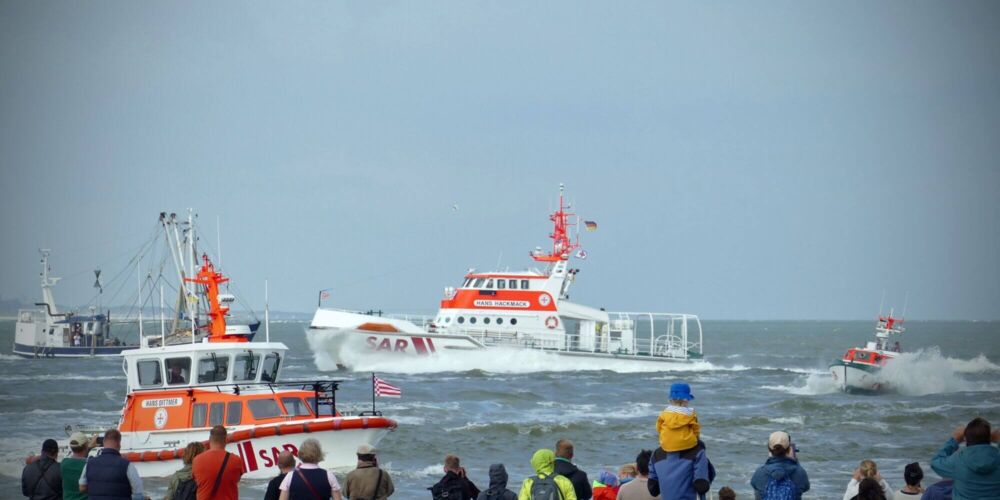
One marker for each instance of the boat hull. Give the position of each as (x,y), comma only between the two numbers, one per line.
(30,351)
(347,346)
(259,454)
(857,377)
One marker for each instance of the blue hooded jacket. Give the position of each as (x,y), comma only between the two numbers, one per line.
(975,469)
(680,475)
(777,468)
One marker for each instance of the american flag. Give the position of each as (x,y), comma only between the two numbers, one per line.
(386,390)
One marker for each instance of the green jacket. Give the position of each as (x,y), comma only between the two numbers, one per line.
(544,462)
(175,480)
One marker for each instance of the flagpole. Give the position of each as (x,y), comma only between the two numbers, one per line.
(373,393)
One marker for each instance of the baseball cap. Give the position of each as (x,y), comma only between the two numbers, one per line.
(779,438)
(367,449)
(50,445)
(680,390)
(78,439)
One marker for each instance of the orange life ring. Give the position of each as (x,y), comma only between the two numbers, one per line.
(551,322)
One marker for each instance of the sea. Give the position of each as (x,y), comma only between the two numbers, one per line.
(499,407)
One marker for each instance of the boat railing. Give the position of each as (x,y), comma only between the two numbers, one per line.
(653,335)
(324,391)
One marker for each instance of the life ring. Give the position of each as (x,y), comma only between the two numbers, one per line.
(552,322)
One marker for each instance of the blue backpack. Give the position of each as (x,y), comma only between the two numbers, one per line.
(780,489)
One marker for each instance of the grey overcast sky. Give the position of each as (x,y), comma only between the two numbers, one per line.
(743,160)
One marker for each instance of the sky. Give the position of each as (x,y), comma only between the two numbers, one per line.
(765,160)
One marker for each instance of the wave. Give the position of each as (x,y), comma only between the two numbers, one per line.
(61,377)
(10,357)
(927,372)
(816,384)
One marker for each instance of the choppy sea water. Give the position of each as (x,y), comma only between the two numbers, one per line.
(756,377)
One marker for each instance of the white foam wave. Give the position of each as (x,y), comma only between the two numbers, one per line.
(928,372)
(493,360)
(815,384)
(798,420)
(10,357)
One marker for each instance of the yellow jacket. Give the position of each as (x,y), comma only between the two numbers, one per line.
(544,462)
(678,428)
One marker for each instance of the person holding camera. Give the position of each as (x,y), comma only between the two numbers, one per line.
(781,476)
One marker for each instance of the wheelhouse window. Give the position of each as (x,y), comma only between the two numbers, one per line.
(512,284)
(524,285)
(215,414)
(501,284)
(178,370)
(149,373)
(264,408)
(489,283)
(245,366)
(269,370)
(199,415)
(468,281)
(213,368)
(478,283)
(295,407)
(234,413)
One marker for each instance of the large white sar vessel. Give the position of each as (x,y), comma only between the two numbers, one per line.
(515,310)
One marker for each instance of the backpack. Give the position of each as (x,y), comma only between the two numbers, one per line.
(780,489)
(186,490)
(545,488)
(451,490)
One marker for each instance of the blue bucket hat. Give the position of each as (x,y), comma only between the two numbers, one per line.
(680,390)
(608,479)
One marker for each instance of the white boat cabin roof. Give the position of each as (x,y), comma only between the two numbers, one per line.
(203,364)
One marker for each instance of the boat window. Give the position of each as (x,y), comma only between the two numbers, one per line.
(199,414)
(295,407)
(215,414)
(149,373)
(447,319)
(472,320)
(468,281)
(501,284)
(486,320)
(489,283)
(269,371)
(213,368)
(234,413)
(264,408)
(499,321)
(178,370)
(524,285)
(245,366)
(461,319)
(512,284)
(861,356)
(479,283)
(513,321)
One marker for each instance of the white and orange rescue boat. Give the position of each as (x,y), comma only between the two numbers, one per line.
(177,392)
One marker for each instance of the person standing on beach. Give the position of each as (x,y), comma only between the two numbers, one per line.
(42,479)
(546,484)
(781,476)
(455,485)
(866,470)
(637,488)
(182,486)
(286,462)
(498,485)
(72,466)
(566,468)
(912,475)
(217,471)
(309,481)
(975,469)
(368,481)
(110,475)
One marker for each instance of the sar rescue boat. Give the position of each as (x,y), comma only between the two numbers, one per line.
(521,310)
(177,392)
(859,370)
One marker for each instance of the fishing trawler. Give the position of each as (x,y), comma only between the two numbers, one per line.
(518,310)
(48,333)
(177,391)
(859,369)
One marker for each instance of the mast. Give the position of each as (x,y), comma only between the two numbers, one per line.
(562,243)
(48,282)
